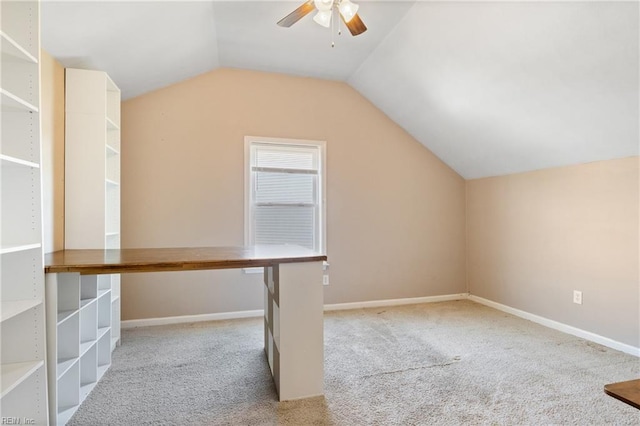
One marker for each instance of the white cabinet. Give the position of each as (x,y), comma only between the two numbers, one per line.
(22,328)
(83,311)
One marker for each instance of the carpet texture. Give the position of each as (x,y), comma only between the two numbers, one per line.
(449,363)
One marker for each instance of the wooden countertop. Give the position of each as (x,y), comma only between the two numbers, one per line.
(628,392)
(93,262)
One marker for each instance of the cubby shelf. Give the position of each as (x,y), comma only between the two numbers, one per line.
(85,302)
(64,365)
(65,413)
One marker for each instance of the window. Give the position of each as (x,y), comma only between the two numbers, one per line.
(284,192)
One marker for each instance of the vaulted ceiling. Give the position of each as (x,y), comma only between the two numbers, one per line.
(489,87)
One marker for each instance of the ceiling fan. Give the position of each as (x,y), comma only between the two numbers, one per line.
(346,9)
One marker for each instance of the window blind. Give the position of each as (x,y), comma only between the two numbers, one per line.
(285,195)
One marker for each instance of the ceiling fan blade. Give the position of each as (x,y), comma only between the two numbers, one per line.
(355,25)
(297,14)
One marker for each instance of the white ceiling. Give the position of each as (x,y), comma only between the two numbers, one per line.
(490,87)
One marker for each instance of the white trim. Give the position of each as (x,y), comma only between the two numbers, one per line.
(395,302)
(605,341)
(191,318)
(259,312)
(322,183)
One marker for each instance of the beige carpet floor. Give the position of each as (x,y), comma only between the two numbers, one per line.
(450,363)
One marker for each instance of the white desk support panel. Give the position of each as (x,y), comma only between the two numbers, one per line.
(293,310)
(293,328)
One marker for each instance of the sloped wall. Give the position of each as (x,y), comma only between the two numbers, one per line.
(396,213)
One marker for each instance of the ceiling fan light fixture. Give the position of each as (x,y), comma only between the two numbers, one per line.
(348,10)
(323,5)
(323,17)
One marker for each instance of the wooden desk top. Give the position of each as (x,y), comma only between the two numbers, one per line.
(93,262)
(628,392)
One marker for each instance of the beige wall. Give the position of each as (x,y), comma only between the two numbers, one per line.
(535,237)
(396,214)
(52,128)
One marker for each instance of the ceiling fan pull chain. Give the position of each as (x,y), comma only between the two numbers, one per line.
(332,19)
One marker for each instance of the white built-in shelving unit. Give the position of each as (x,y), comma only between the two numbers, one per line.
(79,337)
(83,311)
(23,393)
(92,170)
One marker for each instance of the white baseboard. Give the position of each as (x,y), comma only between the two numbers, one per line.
(191,318)
(596,338)
(259,312)
(395,302)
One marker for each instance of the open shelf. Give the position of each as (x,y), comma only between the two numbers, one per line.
(8,161)
(20,132)
(111,150)
(19,247)
(64,315)
(24,392)
(111,125)
(64,365)
(12,49)
(21,203)
(68,394)
(85,346)
(102,369)
(15,373)
(113,140)
(85,302)
(86,389)
(65,413)
(11,102)
(13,308)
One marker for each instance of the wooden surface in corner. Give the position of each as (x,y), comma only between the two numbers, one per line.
(628,392)
(115,261)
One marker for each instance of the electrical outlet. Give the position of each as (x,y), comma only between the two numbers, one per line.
(325,280)
(577,297)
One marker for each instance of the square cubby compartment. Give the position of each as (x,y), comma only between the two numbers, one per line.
(104,309)
(88,323)
(67,345)
(88,370)
(104,353)
(88,288)
(69,392)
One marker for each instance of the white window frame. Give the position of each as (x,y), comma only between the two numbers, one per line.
(322,185)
